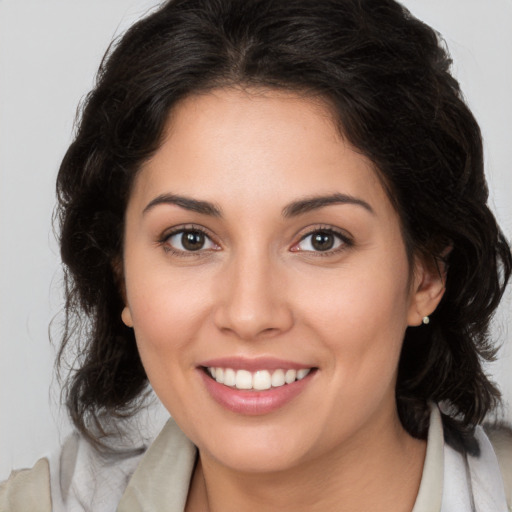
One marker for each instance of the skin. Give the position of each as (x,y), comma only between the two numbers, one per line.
(258,288)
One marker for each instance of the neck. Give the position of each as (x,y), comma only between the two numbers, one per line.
(377,470)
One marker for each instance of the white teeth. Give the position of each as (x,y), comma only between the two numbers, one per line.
(262,380)
(243,379)
(290,376)
(229,377)
(278,378)
(259,380)
(302,373)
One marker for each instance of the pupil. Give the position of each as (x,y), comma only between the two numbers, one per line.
(323,241)
(192,240)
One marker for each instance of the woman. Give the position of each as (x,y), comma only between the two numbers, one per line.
(275,213)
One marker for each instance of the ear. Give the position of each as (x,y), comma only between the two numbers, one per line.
(126,317)
(427,290)
(117,268)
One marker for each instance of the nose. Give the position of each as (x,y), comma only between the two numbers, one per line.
(252,301)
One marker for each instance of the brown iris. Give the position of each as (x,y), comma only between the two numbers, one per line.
(322,241)
(192,240)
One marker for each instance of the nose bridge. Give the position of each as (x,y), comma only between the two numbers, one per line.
(253,299)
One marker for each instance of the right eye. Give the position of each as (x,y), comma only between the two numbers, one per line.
(189,240)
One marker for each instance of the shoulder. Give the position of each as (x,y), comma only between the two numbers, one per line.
(473,477)
(501,440)
(76,477)
(27,490)
(152,477)
(83,478)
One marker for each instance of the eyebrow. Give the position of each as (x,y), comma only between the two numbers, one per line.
(187,203)
(314,203)
(292,210)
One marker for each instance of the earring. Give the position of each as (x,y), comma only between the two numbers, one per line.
(426,320)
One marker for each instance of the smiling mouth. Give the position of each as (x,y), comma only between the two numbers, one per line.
(259,380)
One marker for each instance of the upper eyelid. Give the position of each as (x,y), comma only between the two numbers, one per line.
(167,233)
(164,241)
(310,230)
(346,239)
(301,235)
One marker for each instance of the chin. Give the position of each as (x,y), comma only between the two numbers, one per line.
(255,459)
(261,448)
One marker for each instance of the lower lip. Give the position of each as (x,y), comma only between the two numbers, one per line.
(253,403)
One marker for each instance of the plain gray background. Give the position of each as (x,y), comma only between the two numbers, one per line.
(49,52)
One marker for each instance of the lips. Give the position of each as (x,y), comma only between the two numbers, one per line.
(254,386)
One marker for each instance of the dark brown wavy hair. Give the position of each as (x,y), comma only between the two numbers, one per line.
(386,76)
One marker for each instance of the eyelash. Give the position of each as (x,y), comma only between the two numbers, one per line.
(168,248)
(346,241)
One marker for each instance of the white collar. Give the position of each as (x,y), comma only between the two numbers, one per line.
(455,482)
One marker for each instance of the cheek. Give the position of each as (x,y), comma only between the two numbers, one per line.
(166,313)
(165,325)
(168,309)
(361,314)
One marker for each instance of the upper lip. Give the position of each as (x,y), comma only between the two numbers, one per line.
(253,364)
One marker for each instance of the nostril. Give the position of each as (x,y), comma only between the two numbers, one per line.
(258,320)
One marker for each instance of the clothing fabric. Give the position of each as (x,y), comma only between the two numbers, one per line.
(78,479)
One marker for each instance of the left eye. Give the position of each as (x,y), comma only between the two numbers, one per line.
(190,240)
(320,241)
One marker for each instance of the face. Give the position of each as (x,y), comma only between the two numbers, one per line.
(267,281)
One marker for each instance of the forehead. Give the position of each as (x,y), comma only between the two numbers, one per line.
(231,145)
